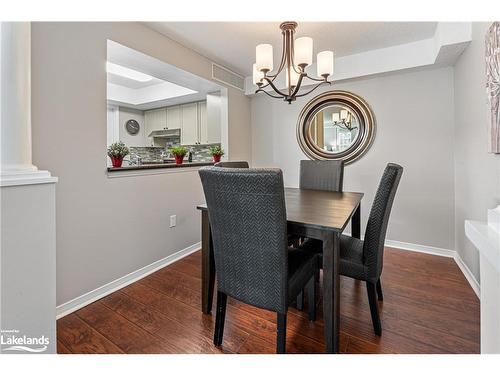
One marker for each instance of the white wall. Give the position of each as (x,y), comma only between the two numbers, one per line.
(69,77)
(137,140)
(414,114)
(477,172)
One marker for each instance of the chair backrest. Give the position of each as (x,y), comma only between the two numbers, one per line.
(376,228)
(247,213)
(232,164)
(322,175)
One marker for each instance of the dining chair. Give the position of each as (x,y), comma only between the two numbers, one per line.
(232,164)
(247,213)
(322,175)
(363,259)
(318,175)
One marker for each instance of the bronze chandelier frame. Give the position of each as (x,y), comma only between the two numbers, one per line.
(288,32)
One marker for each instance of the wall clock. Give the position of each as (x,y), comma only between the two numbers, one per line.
(132,127)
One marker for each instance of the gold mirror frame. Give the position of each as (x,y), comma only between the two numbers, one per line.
(350,100)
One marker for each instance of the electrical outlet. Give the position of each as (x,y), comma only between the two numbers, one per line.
(173,221)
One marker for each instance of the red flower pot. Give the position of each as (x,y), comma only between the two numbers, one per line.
(116,161)
(179,159)
(216,158)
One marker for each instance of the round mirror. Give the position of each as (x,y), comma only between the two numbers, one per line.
(336,125)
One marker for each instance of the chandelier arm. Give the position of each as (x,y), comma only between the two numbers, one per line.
(297,87)
(270,82)
(282,62)
(272,96)
(310,91)
(316,79)
(292,54)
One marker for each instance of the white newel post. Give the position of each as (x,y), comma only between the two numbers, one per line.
(28,241)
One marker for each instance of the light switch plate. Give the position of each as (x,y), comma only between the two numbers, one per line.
(173,221)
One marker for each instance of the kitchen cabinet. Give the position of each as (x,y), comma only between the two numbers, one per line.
(174,120)
(189,130)
(155,119)
(197,127)
(202,123)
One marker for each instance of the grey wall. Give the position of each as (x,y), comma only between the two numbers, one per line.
(414,113)
(68,77)
(477,172)
(137,140)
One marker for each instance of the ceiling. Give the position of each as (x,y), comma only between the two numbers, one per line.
(232,44)
(166,88)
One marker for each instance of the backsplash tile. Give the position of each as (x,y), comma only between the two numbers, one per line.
(153,154)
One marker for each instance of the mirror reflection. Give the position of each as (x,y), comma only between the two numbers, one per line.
(334,129)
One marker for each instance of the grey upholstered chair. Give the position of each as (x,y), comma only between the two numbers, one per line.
(318,175)
(322,175)
(363,259)
(232,164)
(253,263)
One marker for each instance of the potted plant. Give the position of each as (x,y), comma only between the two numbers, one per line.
(117,151)
(216,152)
(179,152)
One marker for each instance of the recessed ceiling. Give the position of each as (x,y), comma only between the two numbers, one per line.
(169,86)
(233,43)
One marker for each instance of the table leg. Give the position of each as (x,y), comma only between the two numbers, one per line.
(207,265)
(331,290)
(356,223)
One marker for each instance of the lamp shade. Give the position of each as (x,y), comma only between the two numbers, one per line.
(264,57)
(335,117)
(325,63)
(343,114)
(257,75)
(303,51)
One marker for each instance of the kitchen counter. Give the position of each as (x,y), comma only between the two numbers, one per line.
(160,166)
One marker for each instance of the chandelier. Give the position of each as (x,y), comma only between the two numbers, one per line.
(343,120)
(296,56)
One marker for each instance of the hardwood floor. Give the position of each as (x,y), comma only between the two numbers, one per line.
(428,307)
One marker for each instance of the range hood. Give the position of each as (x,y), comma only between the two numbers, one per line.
(167,133)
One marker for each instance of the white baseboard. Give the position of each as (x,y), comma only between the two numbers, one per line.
(468,275)
(92,296)
(440,252)
(421,248)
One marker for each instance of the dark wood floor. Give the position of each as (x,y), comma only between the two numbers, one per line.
(428,307)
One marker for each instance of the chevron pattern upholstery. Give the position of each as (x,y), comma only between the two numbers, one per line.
(363,259)
(322,175)
(246,209)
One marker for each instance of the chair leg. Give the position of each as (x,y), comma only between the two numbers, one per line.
(372,299)
(220,318)
(300,301)
(281,334)
(311,298)
(379,291)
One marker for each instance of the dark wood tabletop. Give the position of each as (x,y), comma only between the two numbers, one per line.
(325,210)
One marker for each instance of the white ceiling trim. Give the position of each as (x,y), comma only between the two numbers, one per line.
(443,49)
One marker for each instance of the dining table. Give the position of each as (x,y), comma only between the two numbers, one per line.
(317,214)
